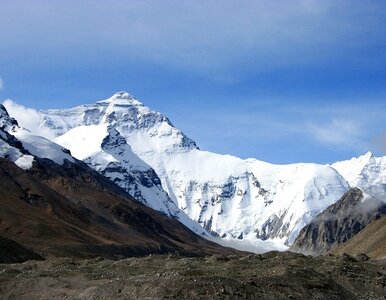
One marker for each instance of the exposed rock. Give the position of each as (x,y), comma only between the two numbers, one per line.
(339,223)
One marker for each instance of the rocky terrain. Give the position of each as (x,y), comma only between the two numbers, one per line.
(12,252)
(339,222)
(73,211)
(272,275)
(371,240)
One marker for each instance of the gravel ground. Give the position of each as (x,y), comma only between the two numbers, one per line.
(269,276)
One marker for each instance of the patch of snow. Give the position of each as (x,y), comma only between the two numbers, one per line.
(9,152)
(42,147)
(25,162)
(252,245)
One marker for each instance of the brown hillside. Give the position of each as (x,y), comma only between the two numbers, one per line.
(73,211)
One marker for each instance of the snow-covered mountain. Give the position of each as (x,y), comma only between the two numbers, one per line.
(366,172)
(245,200)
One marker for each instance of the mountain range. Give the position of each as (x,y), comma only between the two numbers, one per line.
(244,203)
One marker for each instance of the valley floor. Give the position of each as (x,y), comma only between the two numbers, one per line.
(273,275)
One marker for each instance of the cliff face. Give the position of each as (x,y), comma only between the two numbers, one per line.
(339,223)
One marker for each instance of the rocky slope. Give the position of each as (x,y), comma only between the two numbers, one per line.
(339,222)
(70,211)
(370,241)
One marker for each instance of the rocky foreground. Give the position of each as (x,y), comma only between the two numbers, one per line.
(269,276)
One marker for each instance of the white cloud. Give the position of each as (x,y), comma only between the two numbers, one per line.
(28,118)
(338,132)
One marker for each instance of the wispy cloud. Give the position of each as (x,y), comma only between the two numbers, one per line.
(28,118)
(338,132)
(1,84)
(280,125)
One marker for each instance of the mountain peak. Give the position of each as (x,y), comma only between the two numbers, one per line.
(122,98)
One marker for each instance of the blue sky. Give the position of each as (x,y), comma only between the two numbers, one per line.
(280,81)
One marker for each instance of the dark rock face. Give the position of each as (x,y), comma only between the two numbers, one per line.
(12,252)
(338,223)
(273,227)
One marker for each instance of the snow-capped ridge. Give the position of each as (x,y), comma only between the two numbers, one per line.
(43,148)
